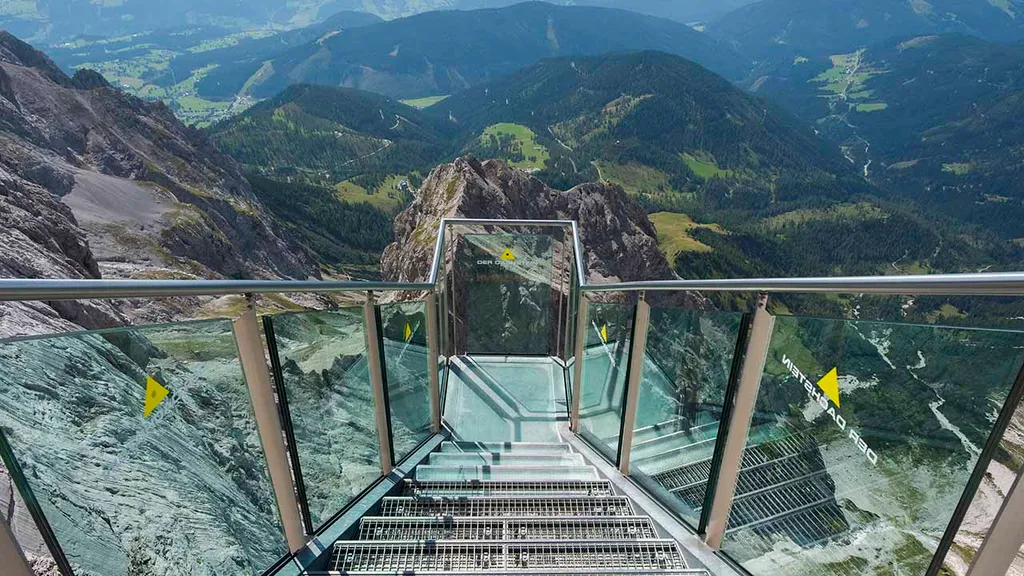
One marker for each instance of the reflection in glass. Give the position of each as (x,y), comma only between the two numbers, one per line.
(407,365)
(182,491)
(507,283)
(323,364)
(863,439)
(605,359)
(687,365)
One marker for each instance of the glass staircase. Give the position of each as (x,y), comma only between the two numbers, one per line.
(507,508)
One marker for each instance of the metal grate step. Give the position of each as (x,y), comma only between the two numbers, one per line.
(508,488)
(491,556)
(506,447)
(404,506)
(761,478)
(807,527)
(505,458)
(531,528)
(753,456)
(778,502)
(467,473)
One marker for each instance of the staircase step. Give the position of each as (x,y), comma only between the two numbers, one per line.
(515,506)
(469,473)
(398,557)
(531,447)
(506,458)
(508,528)
(688,475)
(508,488)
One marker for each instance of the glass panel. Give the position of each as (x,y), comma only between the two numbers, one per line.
(605,359)
(323,364)
(687,365)
(505,399)
(404,337)
(507,281)
(141,449)
(863,439)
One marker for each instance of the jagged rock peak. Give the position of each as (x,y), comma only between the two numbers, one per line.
(619,241)
(14,51)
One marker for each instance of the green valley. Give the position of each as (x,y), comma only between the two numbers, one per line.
(512,142)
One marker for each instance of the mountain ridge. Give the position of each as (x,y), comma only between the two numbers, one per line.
(443,52)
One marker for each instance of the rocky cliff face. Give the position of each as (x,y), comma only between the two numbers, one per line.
(97,183)
(520,307)
(619,241)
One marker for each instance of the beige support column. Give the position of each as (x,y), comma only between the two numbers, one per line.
(743,410)
(577,368)
(638,347)
(11,558)
(434,356)
(257,376)
(1005,538)
(373,358)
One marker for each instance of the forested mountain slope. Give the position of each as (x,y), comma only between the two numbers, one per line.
(933,118)
(679,121)
(334,163)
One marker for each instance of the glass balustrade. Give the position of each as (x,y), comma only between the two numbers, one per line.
(505,294)
(687,365)
(603,381)
(864,437)
(323,369)
(140,449)
(407,369)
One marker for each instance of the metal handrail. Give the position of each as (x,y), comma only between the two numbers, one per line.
(987,284)
(981,284)
(23,289)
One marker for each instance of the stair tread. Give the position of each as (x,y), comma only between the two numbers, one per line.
(501,506)
(464,446)
(505,458)
(501,555)
(504,472)
(513,528)
(442,488)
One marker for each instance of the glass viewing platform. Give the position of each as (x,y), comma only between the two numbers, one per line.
(507,416)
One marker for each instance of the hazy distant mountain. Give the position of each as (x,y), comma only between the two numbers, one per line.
(448,51)
(61,20)
(656,110)
(792,28)
(681,10)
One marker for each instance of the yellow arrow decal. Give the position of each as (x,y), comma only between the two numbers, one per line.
(829,384)
(507,255)
(408,332)
(604,332)
(155,394)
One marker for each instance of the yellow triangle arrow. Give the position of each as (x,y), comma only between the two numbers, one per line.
(508,255)
(829,384)
(155,394)
(604,332)
(408,332)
